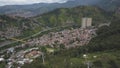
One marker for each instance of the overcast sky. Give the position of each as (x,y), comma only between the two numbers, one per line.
(20,2)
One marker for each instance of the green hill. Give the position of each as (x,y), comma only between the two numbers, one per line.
(102,52)
(58,17)
(105,45)
(40,8)
(65,16)
(109,5)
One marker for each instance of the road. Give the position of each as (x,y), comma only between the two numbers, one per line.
(5,43)
(34,35)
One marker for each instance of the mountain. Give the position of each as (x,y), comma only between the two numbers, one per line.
(40,8)
(59,17)
(35,9)
(17,26)
(65,16)
(101,52)
(22,10)
(109,5)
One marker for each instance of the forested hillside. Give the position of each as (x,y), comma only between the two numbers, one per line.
(102,52)
(59,17)
(40,8)
(109,5)
(73,16)
(16,26)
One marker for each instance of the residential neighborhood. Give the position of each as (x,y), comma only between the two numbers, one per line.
(69,38)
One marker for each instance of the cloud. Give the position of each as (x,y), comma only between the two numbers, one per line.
(20,2)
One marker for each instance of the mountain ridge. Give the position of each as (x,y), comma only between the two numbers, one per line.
(40,8)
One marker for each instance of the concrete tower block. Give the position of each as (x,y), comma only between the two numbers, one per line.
(83,23)
(86,22)
(89,22)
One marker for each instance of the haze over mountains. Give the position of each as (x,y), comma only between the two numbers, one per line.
(40,8)
(73,34)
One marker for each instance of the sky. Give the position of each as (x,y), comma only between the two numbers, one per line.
(21,2)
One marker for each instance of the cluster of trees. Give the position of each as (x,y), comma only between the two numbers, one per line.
(108,39)
(106,44)
(58,17)
(65,16)
(26,26)
(109,5)
(2,64)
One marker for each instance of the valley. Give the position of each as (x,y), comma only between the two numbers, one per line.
(75,34)
(41,8)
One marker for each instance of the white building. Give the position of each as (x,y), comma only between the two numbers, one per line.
(86,22)
(2,59)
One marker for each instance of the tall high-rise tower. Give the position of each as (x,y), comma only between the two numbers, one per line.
(86,22)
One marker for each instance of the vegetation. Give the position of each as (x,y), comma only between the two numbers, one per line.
(66,16)
(102,52)
(105,46)
(109,5)
(26,27)
(2,64)
(105,59)
(56,18)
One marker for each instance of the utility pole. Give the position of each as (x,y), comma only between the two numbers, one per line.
(88,64)
(43,58)
(86,61)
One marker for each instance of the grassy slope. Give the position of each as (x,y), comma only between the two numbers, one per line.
(105,59)
(105,46)
(73,16)
(63,59)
